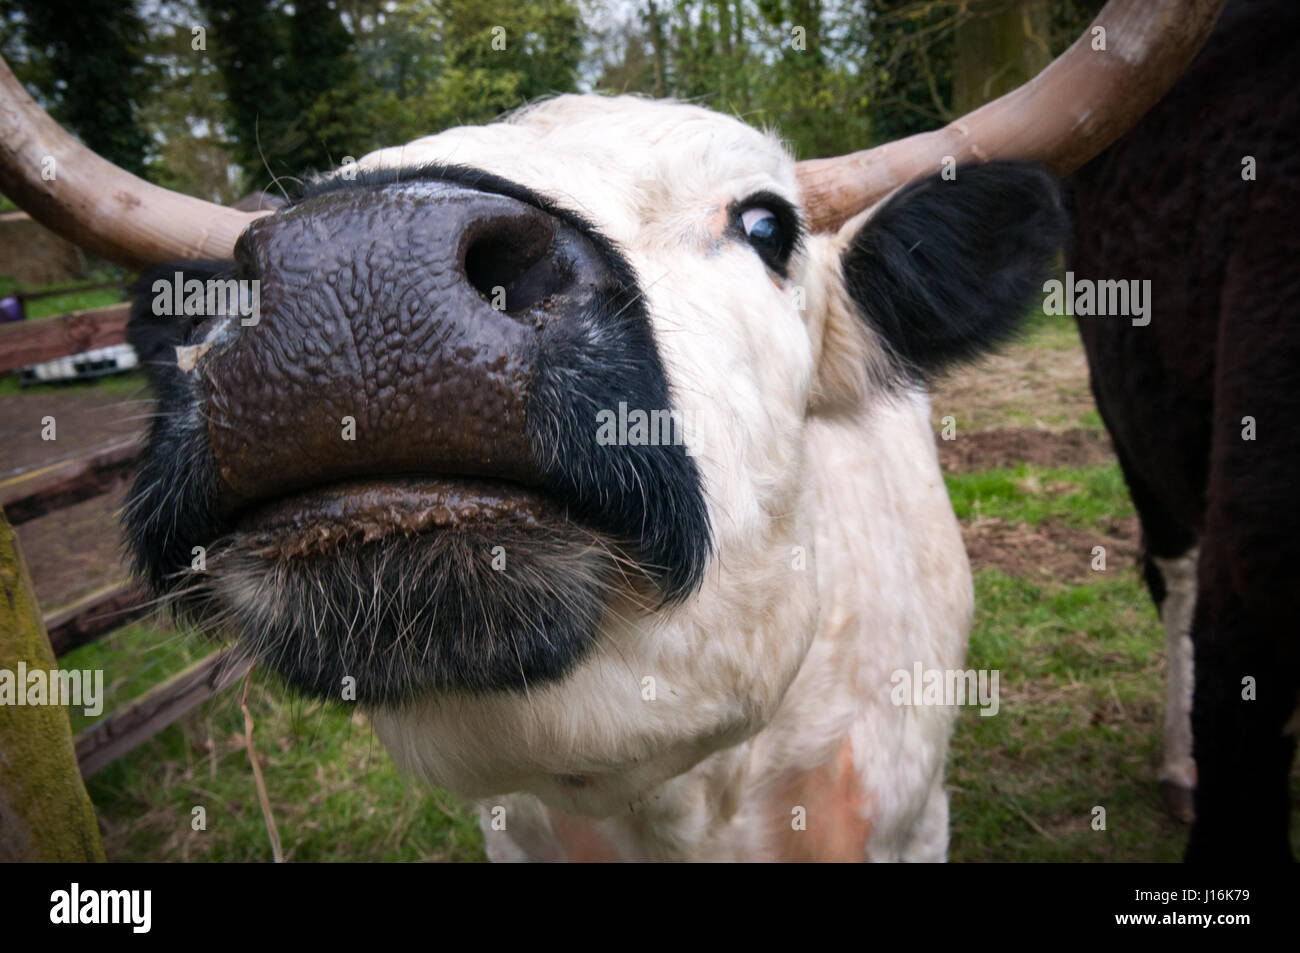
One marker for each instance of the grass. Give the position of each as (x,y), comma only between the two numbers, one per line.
(109,385)
(1082,497)
(1048,332)
(73,301)
(1081,678)
(1039,380)
(1081,687)
(1081,673)
(335,793)
(1081,701)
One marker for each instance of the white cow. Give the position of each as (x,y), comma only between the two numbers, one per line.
(703,651)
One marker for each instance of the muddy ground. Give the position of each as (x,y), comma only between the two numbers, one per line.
(73,551)
(1010,446)
(1050,550)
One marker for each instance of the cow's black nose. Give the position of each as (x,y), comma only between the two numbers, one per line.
(398,333)
(515,262)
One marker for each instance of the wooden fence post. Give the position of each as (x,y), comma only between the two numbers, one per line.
(45,812)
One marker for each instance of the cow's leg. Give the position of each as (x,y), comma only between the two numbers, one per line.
(1245,694)
(1169,567)
(929,841)
(1177,768)
(1246,631)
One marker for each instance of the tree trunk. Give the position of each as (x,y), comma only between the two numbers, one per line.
(45,813)
(724,29)
(724,50)
(657,45)
(1001,46)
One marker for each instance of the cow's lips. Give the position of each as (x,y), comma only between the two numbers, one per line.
(361,511)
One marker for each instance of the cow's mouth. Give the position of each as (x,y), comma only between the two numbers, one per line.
(381,590)
(319,520)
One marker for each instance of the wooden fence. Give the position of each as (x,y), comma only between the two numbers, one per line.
(46,489)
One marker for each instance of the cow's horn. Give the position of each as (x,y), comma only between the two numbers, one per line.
(1081,103)
(93,203)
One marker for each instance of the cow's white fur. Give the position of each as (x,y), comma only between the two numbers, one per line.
(1177,610)
(769,668)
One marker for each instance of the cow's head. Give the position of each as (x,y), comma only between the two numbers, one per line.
(510,388)
(520,419)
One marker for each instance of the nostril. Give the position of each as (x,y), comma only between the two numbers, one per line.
(513,262)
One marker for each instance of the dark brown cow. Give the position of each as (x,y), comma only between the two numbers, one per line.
(1203,404)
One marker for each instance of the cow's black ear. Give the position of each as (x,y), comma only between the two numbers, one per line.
(157,325)
(948,267)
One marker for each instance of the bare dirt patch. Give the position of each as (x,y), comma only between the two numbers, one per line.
(1021,386)
(1010,446)
(74,551)
(1049,551)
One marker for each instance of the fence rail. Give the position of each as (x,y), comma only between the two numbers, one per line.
(58,485)
(30,342)
(98,613)
(138,721)
(55,486)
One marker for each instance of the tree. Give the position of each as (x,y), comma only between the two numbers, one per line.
(932,60)
(290,82)
(1002,44)
(325,79)
(247,39)
(284,69)
(93,80)
(185,113)
(45,813)
(537,44)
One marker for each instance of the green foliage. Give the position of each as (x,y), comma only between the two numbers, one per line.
(908,55)
(91,79)
(784,66)
(352,77)
(334,791)
(277,68)
(831,77)
(286,88)
(1074,496)
(537,44)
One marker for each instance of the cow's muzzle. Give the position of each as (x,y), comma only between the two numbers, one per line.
(391,463)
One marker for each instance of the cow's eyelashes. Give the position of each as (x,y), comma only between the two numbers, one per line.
(770,226)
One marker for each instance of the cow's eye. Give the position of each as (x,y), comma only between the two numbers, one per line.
(764,231)
(771,226)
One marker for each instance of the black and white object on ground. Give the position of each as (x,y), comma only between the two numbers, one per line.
(95,363)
